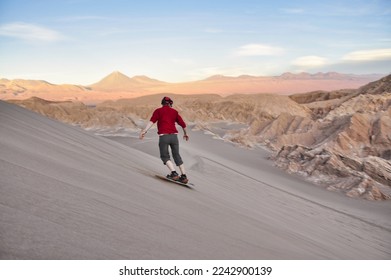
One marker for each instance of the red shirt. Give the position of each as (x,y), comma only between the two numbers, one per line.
(166,117)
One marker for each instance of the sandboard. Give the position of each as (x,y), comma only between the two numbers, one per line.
(188,185)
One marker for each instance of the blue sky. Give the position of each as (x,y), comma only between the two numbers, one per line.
(81,41)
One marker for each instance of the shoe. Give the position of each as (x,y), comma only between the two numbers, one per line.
(173,176)
(183,179)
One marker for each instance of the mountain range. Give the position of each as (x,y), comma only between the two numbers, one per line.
(117,86)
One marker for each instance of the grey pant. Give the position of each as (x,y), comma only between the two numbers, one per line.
(169,140)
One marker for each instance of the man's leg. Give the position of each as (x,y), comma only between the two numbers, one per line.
(174,144)
(164,153)
(177,158)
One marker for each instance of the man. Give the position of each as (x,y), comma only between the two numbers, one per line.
(166,117)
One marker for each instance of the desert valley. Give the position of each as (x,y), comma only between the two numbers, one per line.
(339,138)
(290,167)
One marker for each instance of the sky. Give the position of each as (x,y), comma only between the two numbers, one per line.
(81,41)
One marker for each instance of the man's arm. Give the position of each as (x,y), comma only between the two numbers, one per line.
(181,122)
(185,136)
(145,130)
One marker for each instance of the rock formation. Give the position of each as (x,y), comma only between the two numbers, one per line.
(347,146)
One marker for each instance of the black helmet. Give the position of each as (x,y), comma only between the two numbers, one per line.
(167,101)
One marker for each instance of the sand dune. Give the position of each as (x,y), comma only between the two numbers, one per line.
(68,194)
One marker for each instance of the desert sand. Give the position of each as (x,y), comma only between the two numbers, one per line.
(66,193)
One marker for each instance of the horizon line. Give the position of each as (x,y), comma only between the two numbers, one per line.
(206,78)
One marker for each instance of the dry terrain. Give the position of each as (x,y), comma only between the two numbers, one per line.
(66,193)
(339,139)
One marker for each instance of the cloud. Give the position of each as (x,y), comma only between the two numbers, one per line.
(358,62)
(259,50)
(368,55)
(293,11)
(30,32)
(310,61)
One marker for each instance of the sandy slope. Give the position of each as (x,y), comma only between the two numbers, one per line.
(67,194)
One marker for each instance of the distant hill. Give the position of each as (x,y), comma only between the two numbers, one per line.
(117,81)
(23,89)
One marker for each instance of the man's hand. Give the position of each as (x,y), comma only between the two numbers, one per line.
(185,137)
(142,134)
(144,131)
